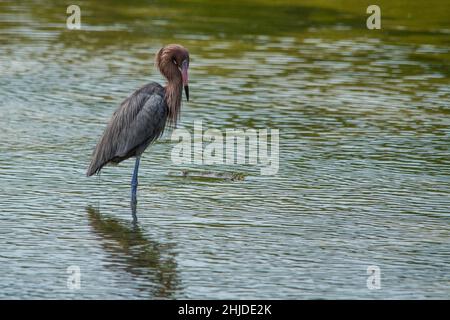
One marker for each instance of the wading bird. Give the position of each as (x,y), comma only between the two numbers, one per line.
(142,117)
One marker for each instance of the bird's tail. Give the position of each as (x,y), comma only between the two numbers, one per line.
(97,162)
(92,169)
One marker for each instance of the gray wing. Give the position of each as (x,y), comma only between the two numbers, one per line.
(146,126)
(139,120)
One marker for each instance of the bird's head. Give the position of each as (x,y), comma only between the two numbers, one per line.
(173,62)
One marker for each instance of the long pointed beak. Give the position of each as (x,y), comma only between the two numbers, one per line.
(185,77)
(186,91)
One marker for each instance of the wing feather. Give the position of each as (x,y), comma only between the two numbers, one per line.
(138,121)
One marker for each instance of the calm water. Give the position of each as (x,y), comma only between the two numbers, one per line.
(364,177)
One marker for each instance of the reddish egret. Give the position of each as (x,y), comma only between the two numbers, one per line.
(142,117)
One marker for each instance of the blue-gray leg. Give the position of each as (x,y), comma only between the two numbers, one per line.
(134,180)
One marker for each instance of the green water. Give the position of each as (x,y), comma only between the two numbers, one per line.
(364,168)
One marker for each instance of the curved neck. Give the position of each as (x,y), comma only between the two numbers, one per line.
(174,88)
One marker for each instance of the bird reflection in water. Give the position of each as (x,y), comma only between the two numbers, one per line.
(149,261)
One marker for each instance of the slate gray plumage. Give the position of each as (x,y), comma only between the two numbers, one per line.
(139,120)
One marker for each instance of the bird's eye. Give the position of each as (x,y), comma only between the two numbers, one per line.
(174,61)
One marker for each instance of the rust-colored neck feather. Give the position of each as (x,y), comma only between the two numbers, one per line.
(174,86)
